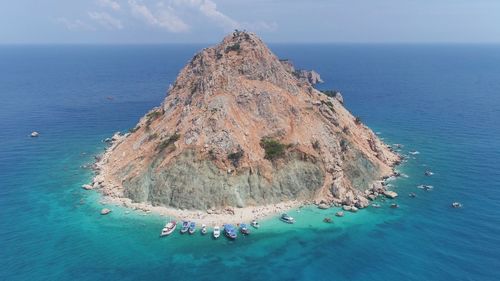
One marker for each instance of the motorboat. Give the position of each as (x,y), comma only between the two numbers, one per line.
(428,173)
(168,228)
(185,227)
(244,229)
(255,224)
(286,218)
(203,229)
(216,231)
(456,205)
(192,227)
(230,231)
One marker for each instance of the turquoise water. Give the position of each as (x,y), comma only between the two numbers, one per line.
(443,101)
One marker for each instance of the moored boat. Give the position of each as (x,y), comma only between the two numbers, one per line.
(230,231)
(216,231)
(185,227)
(286,218)
(168,228)
(255,224)
(244,229)
(192,227)
(203,229)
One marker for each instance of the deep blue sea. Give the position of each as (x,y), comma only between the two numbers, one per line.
(440,100)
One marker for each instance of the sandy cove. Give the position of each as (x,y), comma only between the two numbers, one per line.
(209,217)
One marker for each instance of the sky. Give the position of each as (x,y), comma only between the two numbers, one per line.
(201,21)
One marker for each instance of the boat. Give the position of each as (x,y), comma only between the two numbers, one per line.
(428,173)
(203,229)
(394,205)
(456,205)
(244,229)
(412,195)
(192,227)
(286,218)
(216,232)
(230,231)
(168,228)
(185,227)
(255,224)
(425,187)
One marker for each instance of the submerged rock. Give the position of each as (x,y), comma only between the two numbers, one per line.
(105,211)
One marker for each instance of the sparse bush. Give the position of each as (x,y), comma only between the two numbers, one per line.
(168,142)
(235,47)
(331,93)
(133,130)
(273,148)
(235,157)
(357,120)
(152,136)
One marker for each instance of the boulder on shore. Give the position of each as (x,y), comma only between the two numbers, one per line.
(323,206)
(390,194)
(87,187)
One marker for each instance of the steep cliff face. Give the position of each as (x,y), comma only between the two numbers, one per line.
(239,128)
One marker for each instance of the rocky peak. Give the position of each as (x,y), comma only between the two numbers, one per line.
(239,128)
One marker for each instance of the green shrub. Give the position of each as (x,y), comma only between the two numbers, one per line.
(133,130)
(357,120)
(273,148)
(235,47)
(235,157)
(168,142)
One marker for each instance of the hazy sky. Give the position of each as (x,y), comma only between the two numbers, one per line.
(164,21)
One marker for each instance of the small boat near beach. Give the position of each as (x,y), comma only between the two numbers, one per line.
(394,206)
(244,229)
(230,231)
(255,224)
(456,205)
(216,232)
(203,229)
(428,173)
(192,227)
(185,227)
(168,228)
(286,218)
(412,195)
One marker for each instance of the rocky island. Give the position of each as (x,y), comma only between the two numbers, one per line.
(241,135)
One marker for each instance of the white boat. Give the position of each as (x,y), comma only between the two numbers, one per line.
(216,232)
(287,219)
(168,228)
(203,229)
(255,224)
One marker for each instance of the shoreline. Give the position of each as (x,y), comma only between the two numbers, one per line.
(210,218)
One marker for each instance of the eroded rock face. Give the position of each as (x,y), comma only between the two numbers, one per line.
(203,147)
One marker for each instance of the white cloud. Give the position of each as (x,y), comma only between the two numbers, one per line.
(74,24)
(164,17)
(106,20)
(209,9)
(109,4)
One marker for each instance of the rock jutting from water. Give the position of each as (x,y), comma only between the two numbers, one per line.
(240,129)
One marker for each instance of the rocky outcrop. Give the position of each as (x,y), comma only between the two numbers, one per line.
(239,128)
(309,76)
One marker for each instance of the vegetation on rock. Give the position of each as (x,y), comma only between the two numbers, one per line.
(273,148)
